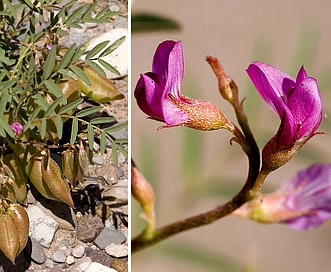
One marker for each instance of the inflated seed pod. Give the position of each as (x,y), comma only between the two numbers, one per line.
(33,171)
(19,178)
(101,89)
(9,241)
(71,90)
(55,180)
(70,165)
(83,158)
(21,219)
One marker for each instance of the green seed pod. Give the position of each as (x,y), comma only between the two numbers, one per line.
(21,220)
(101,89)
(9,241)
(55,180)
(19,181)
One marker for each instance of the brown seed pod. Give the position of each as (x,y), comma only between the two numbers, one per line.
(19,182)
(21,219)
(101,89)
(33,171)
(70,165)
(83,158)
(9,241)
(55,180)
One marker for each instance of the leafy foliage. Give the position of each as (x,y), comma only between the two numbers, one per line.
(40,90)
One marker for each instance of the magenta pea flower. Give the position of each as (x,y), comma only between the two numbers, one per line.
(303,202)
(16,127)
(158,93)
(297,102)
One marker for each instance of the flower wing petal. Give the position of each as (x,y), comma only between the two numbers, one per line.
(272,84)
(148,93)
(173,114)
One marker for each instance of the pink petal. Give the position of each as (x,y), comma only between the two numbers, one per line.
(148,92)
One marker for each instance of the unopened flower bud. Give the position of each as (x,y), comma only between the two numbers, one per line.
(143,192)
(17,128)
(226,86)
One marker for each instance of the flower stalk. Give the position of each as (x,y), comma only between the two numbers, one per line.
(248,143)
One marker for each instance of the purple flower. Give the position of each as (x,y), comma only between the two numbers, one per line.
(16,127)
(297,102)
(158,93)
(303,202)
(49,46)
(309,193)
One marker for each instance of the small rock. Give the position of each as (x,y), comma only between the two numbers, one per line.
(115,194)
(59,268)
(78,38)
(81,264)
(49,263)
(96,267)
(42,226)
(60,212)
(78,251)
(109,236)
(88,227)
(36,252)
(70,260)
(97,159)
(59,256)
(119,172)
(118,134)
(113,6)
(119,57)
(119,265)
(117,250)
(120,22)
(98,256)
(121,158)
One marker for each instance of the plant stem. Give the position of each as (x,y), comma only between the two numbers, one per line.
(252,151)
(229,91)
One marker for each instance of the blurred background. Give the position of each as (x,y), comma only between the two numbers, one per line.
(194,171)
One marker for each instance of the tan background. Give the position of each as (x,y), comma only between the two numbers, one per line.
(236,32)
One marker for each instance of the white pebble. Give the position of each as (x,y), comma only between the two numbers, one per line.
(70,259)
(117,250)
(97,267)
(78,251)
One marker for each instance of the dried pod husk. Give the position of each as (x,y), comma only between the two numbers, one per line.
(55,180)
(21,219)
(19,181)
(9,240)
(70,165)
(101,89)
